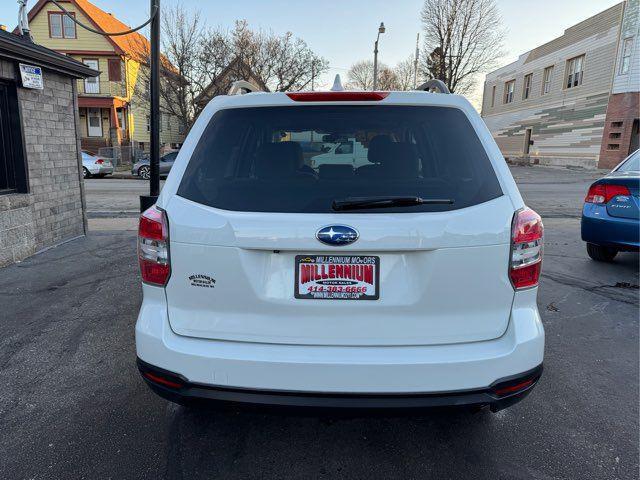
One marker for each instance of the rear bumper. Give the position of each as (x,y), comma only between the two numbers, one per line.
(453,374)
(501,394)
(101,170)
(598,227)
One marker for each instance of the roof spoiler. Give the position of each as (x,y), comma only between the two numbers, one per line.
(241,87)
(437,86)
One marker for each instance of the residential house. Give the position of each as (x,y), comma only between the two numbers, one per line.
(220,85)
(41,187)
(113,107)
(573,100)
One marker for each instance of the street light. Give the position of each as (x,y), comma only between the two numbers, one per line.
(381,29)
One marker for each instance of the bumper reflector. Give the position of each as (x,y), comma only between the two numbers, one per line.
(509,389)
(162,381)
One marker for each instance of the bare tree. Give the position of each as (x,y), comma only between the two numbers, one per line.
(463,38)
(387,79)
(360,75)
(280,62)
(181,72)
(194,57)
(404,74)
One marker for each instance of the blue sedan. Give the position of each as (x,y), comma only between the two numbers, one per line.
(611,213)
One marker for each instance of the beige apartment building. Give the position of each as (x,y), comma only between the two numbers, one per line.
(113,107)
(574,100)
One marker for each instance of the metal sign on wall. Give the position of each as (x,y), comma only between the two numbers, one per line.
(31,76)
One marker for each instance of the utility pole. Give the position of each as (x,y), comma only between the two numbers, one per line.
(415,63)
(313,76)
(381,29)
(154,158)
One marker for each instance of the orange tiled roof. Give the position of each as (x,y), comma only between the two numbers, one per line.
(133,44)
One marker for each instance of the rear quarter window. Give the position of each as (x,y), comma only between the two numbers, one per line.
(300,159)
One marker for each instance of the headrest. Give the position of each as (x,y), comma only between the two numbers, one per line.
(400,160)
(377,148)
(393,160)
(335,171)
(277,160)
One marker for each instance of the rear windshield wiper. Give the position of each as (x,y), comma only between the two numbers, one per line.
(357,203)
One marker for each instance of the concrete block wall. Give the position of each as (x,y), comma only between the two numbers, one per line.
(17,237)
(52,210)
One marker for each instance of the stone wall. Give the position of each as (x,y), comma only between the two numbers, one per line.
(52,210)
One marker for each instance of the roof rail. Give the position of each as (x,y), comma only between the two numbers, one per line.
(241,87)
(434,85)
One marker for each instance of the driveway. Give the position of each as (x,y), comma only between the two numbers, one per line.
(73,406)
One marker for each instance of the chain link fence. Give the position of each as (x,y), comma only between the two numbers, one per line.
(123,155)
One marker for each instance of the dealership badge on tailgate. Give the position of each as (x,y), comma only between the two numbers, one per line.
(337,277)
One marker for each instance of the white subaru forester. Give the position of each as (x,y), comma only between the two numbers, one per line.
(408,281)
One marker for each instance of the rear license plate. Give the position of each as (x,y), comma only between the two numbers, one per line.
(337,277)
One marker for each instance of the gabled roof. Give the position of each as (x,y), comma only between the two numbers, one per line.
(19,48)
(236,65)
(133,44)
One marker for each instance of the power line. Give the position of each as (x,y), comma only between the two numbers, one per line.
(106,34)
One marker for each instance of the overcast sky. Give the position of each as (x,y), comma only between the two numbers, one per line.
(343,31)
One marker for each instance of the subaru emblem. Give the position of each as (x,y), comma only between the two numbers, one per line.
(337,235)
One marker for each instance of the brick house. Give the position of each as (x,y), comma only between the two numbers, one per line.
(41,187)
(573,100)
(114,106)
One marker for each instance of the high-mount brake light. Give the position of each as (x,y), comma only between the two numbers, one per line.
(527,234)
(153,247)
(602,192)
(338,96)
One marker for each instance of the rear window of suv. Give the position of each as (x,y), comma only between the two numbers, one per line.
(302,159)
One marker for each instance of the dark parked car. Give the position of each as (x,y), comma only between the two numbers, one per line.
(142,167)
(611,213)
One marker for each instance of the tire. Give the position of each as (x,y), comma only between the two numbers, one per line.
(600,253)
(144,172)
(85,173)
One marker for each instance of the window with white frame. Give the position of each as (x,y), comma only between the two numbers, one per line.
(509,88)
(526,87)
(625,62)
(546,80)
(493,96)
(575,71)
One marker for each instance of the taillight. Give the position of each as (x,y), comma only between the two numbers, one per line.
(153,247)
(338,96)
(99,161)
(526,249)
(602,192)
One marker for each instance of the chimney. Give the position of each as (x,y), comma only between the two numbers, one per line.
(23,20)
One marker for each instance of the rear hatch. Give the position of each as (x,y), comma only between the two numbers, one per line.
(254,232)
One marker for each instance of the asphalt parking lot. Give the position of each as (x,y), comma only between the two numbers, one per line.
(72,404)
